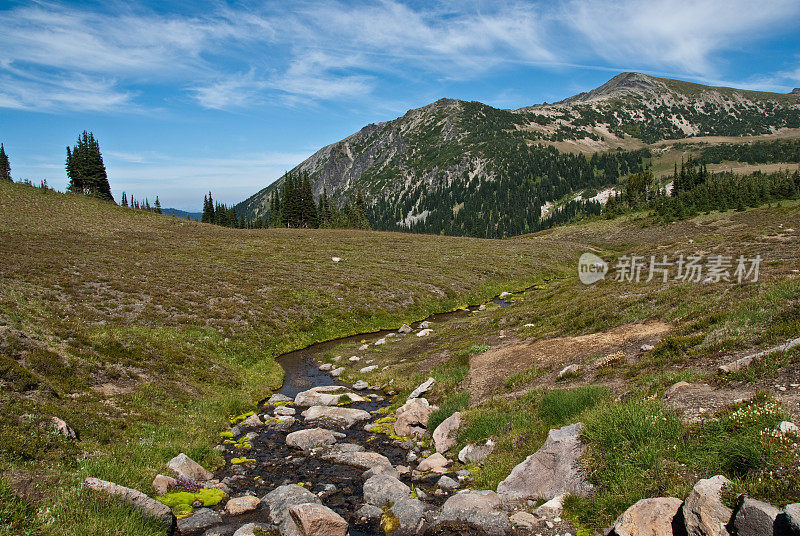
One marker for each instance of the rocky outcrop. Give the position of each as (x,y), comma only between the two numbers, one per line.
(357,458)
(444,437)
(755,518)
(313,438)
(551,471)
(703,511)
(650,517)
(346,417)
(138,500)
(329,395)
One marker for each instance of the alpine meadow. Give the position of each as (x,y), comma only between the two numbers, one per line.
(528,291)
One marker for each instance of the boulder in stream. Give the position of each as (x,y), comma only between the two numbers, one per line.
(326,395)
(346,417)
(314,519)
(313,438)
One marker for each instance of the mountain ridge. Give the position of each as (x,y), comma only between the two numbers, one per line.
(448,150)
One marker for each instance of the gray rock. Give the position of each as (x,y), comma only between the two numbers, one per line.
(250,529)
(202,519)
(382,489)
(326,367)
(703,511)
(367,370)
(337,372)
(380,470)
(755,518)
(473,510)
(405,328)
(360,385)
(447,484)
(422,388)
(793,517)
(327,395)
(278,397)
(411,514)
(281,423)
(787,427)
(551,508)
(551,471)
(649,517)
(413,414)
(358,459)
(444,437)
(63,428)
(284,410)
(346,417)
(138,500)
(183,466)
(161,484)
(252,421)
(424,332)
(318,520)
(369,512)
(435,463)
(241,505)
(568,371)
(424,324)
(476,454)
(312,438)
(525,521)
(281,499)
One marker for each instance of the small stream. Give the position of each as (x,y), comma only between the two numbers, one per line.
(339,486)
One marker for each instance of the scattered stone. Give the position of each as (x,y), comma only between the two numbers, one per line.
(252,420)
(162,483)
(410,513)
(525,521)
(281,499)
(360,385)
(413,413)
(793,517)
(312,438)
(369,512)
(505,295)
(355,358)
(278,397)
(669,393)
(475,510)
(241,505)
(281,423)
(476,454)
(337,372)
(735,365)
(422,388)
(649,517)
(183,466)
(200,520)
(382,489)
(444,437)
(63,428)
(381,470)
(435,463)
(367,370)
(138,500)
(346,417)
(552,470)
(754,518)
(703,511)
(405,328)
(380,341)
(448,484)
(326,367)
(356,458)
(482,307)
(424,324)
(336,259)
(569,370)
(327,395)
(363,347)
(250,529)
(424,332)
(646,347)
(284,410)
(787,427)
(551,508)
(318,520)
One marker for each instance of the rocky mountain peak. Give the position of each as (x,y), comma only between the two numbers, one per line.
(620,85)
(795,91)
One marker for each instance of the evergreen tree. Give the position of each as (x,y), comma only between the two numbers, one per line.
(157,206)
(86,170)
(124,202)
(208,209)
(5,165)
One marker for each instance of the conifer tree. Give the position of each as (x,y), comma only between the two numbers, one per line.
(157,206)
(124,201)
(86,170)
(5,165)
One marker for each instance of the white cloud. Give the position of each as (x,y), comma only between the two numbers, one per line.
(63,93)
(683,35)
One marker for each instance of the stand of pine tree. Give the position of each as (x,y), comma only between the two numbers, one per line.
(86,170)
(5,165)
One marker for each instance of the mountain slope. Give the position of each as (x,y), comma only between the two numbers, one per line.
(466,168)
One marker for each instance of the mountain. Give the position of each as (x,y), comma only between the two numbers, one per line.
(466,168)
(178,213)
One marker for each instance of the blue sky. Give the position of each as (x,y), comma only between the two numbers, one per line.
(191,96)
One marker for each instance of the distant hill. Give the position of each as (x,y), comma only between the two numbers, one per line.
(466,168)
(182,213)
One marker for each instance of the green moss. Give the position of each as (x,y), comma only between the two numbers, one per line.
(243,459)
(179,500)
(389,522)
(210,496)
(239,418)
(226,434)
(182,511)
(174,498)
